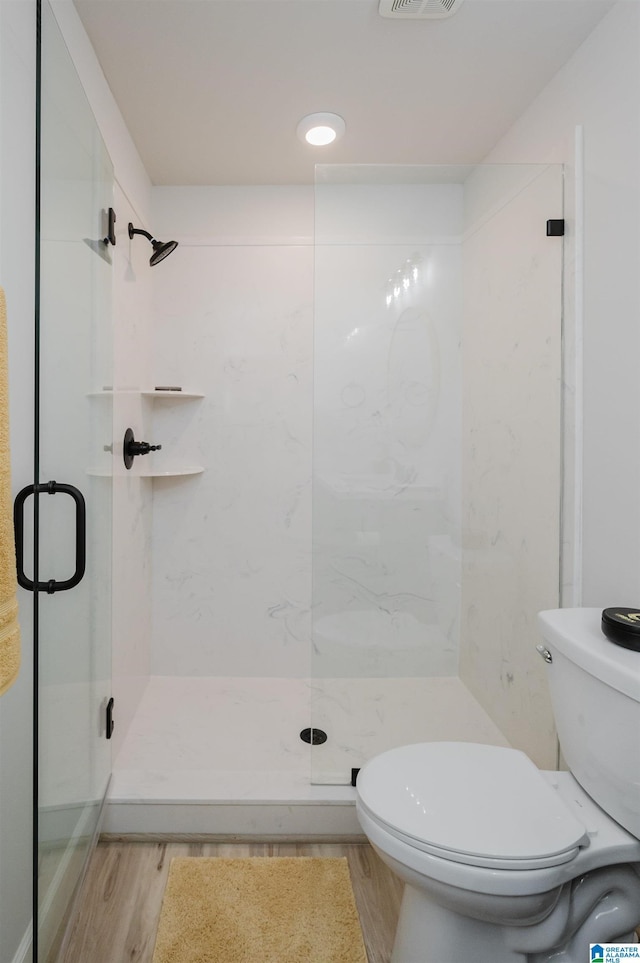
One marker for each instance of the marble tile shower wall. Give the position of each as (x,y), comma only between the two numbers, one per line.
(232,548)
(387,460)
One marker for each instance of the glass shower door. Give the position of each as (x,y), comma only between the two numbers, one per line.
(436,457)
(386,454)
(73,449)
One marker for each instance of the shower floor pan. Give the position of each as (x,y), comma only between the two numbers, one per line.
(223,756)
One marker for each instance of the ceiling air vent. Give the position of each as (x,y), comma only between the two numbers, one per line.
(419,9)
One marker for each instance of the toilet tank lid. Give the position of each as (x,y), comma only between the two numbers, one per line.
(485,801)
(577,634)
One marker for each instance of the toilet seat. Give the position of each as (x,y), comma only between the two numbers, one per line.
(480,805)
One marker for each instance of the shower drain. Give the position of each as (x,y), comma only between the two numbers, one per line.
(313,736)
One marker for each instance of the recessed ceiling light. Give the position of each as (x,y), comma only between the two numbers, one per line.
(320,129)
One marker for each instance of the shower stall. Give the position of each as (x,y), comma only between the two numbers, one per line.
(378,520)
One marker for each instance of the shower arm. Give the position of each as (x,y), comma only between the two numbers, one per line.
(138,230)
(161,249)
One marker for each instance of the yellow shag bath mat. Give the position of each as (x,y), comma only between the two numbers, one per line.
(259,910)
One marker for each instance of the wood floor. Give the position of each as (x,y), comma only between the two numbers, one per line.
(119,908)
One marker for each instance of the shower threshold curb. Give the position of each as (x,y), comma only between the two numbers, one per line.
(296,809)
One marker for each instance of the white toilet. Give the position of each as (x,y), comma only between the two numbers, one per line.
(504,863)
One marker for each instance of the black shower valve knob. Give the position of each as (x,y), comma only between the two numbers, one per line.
(131,448)
(142,448)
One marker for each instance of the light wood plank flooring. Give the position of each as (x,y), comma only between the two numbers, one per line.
(119,907)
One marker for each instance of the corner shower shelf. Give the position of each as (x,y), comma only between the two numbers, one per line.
(152,473)
(171,395)
(173,472)
(147,393)
(169,473)
(164,395)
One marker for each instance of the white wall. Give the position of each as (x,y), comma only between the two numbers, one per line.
(17,177)
(599,89)
(129,169)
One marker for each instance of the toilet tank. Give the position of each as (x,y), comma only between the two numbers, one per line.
(595,692)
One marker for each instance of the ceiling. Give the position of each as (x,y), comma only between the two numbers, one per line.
(212,90)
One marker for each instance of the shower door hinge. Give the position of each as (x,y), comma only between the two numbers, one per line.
(109,722)
(555,228)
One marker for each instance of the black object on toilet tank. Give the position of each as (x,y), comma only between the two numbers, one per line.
(622,626)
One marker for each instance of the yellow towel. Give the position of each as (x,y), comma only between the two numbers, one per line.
(9,629)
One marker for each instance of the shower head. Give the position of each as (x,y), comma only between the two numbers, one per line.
(161,249)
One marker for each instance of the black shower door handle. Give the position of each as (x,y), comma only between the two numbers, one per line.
(51,488)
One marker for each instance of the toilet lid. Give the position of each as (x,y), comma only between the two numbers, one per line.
(484,805)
